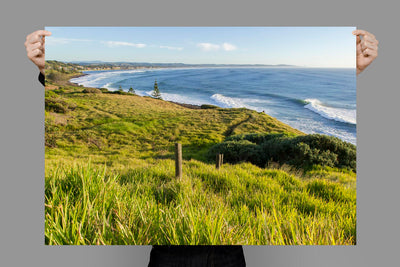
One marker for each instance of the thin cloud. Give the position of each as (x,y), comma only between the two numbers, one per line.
(215,47)
(171,47)
(119,44)
(208,46)
(228,47)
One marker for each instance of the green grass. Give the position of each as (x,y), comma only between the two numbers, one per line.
(109,179)
(238,204)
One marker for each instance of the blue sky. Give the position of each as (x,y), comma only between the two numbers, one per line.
(301,46)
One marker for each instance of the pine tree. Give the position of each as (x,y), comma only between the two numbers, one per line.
(156,92)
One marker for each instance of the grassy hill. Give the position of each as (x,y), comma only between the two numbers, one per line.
(109,177)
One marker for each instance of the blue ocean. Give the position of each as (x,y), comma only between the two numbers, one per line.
(309,99)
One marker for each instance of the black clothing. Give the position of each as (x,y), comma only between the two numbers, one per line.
(193,256)
(41,78)
(197,256)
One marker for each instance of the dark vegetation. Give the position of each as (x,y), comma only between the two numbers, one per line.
(299,151)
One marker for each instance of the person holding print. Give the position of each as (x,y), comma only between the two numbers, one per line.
(201,256)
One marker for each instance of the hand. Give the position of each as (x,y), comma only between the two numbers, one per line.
(367,49)
(35,48)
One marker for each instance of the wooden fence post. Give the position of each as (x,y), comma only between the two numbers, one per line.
(178,160)
(219,160)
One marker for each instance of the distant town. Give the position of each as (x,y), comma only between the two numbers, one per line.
(99,65)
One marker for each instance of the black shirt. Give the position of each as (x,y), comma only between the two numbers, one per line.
(197,256)
(41,78)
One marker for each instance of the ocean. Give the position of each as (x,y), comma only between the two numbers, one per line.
(312,100)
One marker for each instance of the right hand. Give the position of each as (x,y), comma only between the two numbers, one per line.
(35,48)
(367,49)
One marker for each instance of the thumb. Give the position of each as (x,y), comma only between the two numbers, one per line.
(358,39)
(358,45)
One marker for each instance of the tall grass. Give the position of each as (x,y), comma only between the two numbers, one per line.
(238,204)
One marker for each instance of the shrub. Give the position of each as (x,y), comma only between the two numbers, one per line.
(53,76)
(208,107)
(58,105)
(50,93)
(59,91)
(92,91)
(120,92)
(237,151)
(55,105)
(299,151)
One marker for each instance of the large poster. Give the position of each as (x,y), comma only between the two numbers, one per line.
(200,136)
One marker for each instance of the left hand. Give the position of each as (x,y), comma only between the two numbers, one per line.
(35,48)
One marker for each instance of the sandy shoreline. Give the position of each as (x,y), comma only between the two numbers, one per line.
(76,76)
(191,106)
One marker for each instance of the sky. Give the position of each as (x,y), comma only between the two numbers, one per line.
(327,47)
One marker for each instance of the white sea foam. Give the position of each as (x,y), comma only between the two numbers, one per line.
(310,126)
(337,114)
(175,98)
(101,79)
(93,80)
(235,102)
(227,102)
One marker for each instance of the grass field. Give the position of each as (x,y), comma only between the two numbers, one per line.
(110,178)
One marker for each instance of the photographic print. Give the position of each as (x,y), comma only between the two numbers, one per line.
(200,136)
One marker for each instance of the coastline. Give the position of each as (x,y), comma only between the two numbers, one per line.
(190,106)
(76,76)
(183,102)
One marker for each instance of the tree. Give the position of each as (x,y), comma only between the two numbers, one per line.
(131,90)
(156,92)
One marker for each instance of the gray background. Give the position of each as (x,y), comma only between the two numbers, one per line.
(21,124)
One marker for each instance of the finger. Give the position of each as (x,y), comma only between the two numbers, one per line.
(358,49)
(30,47)
(37,36)
(363,46)
(370,38)
(366,35)
(358,39)
(370,45)
(37,45)
(43,33)
(360,32)
(34,53)
(370,53)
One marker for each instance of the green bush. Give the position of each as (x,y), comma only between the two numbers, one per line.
(299,151)
(92,91)
(59,91)
(121,92)
(208,107)
(314,149)
(53,76)
(57,104)
(237,151)
(50,93)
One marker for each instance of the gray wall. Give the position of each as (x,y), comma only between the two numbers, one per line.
(21,124)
